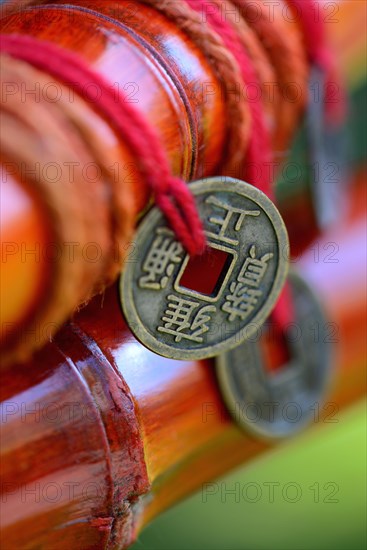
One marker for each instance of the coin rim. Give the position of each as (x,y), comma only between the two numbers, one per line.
(223,369)
(199,187)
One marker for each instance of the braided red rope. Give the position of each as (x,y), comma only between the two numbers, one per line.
(171,194)
(259,152)
(181,214)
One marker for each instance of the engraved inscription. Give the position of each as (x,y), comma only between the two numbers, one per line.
(182,321)
(244,293)
(225,223)
(164,253)
(253,270)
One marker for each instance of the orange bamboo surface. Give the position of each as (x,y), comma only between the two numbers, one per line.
(138,48)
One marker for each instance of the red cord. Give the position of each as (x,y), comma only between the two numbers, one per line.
(259,152)
(171,194)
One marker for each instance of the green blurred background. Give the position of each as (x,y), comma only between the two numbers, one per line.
(330,457)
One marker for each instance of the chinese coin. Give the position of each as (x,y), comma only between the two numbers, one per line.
(275,405)
(184,310)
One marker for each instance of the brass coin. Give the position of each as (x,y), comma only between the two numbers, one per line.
(181,319)
(279,404)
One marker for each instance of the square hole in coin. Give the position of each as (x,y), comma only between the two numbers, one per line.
(205,274)
(275,350)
